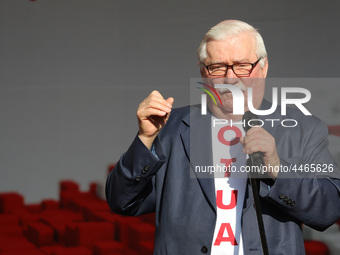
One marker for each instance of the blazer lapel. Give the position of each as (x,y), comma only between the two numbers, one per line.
(197,144)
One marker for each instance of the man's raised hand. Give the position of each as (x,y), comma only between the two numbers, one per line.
(152,114)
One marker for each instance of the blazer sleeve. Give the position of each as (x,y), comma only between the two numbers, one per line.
(130,185)
(307,196)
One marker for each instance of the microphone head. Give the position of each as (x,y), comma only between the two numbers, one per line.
(248,115)
(256,159)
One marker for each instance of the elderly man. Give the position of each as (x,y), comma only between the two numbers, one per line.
(216,215)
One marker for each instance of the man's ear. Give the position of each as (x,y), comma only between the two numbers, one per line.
(203,72)
(265,68)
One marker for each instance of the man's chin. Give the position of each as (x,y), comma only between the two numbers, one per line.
(226,108)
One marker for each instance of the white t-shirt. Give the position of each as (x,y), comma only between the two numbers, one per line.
(230,188)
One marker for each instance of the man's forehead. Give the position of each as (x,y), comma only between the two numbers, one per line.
(239,51)
(235,60)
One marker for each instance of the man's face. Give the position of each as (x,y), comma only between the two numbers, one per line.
(237,49)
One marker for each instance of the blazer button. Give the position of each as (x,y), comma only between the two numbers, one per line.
(138,179)
(285,199)
(281,196)
(145,169)
(292,203)
(204,249)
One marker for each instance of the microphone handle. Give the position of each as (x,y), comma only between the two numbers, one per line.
(257,159)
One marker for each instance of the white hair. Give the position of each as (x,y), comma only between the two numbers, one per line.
(227,29)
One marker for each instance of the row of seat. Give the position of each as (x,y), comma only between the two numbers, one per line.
(80,223)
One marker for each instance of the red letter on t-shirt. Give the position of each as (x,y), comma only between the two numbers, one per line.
(227,162)
(233,200)
(236,140)
(230,238)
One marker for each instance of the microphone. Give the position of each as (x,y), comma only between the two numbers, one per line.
(257,157)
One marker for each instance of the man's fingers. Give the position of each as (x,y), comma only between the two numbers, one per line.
(257,139)
(170,100)
(146,113)
(154,104)
(159,105)
(156,93)
(156,100)
(250,138)
(156,96)
(254,146)
(256,133)
(152,108)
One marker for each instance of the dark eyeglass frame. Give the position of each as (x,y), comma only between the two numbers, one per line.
(253,65)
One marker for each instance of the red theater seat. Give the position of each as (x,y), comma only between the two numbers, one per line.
(141,232)
(9,220)
(146,247)
(11,202)
(11,231)
(10,225)
(68,185)
(108,248)
(23,252)
(50,204)
(72,251)
(15,245)
(40,234)
(27,217)
(86,233)
(316,248)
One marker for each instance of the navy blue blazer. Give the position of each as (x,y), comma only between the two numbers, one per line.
(185,206)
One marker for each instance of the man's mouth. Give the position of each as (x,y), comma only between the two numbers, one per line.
(224,91)
(239,85)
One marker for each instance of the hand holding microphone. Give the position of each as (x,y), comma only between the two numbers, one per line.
(260,145)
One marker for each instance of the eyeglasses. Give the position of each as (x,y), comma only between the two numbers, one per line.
(240,69)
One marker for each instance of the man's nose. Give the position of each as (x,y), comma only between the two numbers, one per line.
(230,77)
